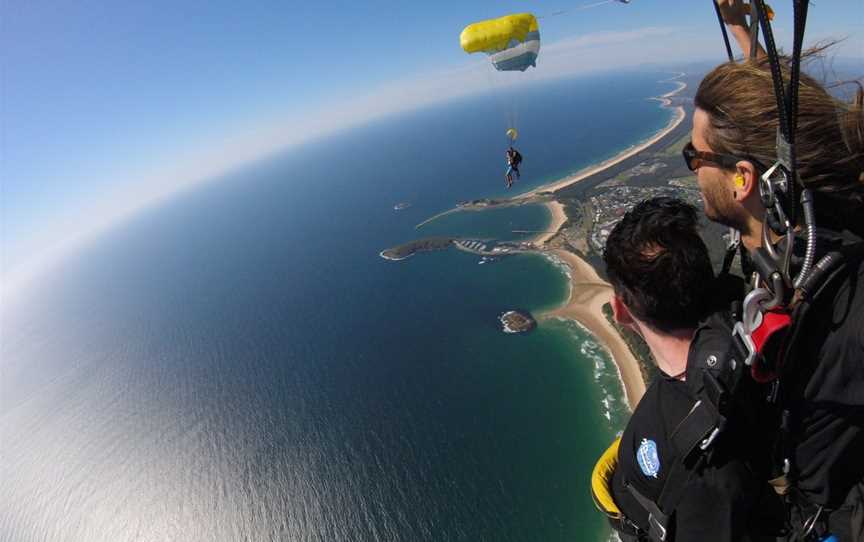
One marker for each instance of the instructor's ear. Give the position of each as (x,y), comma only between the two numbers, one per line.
(620,312)
(746,180)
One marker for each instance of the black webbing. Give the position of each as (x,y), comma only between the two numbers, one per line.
(774,60)
(725,34)
(795,70)
(787,100)
(658,521)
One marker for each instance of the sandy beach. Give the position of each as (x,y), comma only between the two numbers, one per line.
(623,155)
(558,220)
(588,292)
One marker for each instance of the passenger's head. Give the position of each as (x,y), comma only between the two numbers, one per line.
(658,265)
(736,115)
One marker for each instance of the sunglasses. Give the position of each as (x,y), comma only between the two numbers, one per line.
(694,158)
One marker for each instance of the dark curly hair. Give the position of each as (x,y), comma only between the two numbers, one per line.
(659,266)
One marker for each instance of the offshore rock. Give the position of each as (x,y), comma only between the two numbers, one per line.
(517,321)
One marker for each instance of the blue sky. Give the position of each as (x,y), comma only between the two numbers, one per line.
(109,106)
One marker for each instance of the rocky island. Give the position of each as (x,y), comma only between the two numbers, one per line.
(517,321)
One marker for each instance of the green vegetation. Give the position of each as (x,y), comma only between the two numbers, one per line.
(675,148)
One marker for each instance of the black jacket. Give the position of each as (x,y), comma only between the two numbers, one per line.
(726,498)
(826,388)
(717,502)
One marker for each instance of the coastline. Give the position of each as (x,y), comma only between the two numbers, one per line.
(582,174)
(588,292)
(559,217)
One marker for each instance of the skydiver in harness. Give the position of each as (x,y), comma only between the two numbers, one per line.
(787,171)
(654,481)
(753,161)
(513,161)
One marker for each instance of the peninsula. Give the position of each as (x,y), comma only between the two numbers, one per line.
(409,249)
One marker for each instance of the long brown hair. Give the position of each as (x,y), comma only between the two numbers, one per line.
(740,102)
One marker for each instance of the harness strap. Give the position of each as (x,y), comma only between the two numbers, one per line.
(692,438)
(658,522)
(731,249)
(625,526)
(697,431)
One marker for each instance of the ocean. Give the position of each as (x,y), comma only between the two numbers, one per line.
(241,364)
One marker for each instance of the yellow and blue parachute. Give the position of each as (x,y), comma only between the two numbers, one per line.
(512,42)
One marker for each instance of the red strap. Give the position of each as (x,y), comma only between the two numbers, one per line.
(774,325)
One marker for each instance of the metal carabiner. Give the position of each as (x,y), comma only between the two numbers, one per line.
(751,318)
(752,308)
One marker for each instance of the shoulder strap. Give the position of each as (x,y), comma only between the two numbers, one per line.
(692,439)
(661,525)
(658,522)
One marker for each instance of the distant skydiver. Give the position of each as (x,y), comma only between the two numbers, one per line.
(512,43)
(513,161)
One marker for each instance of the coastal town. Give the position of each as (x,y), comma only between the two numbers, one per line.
(610,205)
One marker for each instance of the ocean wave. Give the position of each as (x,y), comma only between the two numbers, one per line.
(558,263)
(613,403)
(391,258)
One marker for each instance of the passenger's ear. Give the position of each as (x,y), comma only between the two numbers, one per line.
(620,312)
(746,180)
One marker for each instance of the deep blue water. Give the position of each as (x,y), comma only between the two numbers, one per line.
(240,364)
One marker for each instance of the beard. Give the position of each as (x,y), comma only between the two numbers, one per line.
(720,207)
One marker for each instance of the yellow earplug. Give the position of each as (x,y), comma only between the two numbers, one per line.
(739,181)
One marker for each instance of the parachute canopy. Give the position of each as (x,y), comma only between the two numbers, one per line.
(512,134)
(512,42)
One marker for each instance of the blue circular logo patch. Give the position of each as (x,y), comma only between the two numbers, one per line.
(649,460)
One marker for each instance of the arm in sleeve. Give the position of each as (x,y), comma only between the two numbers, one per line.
(734,13)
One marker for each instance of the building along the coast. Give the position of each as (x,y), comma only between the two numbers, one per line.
(610,205)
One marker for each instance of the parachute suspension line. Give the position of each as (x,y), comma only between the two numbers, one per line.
(512,43)
(577,8)
(498,90)
(592,5)
(725,34)
(513,114)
